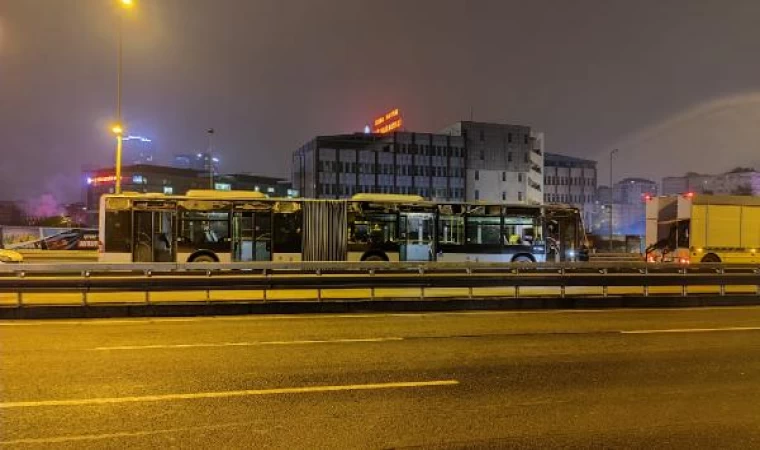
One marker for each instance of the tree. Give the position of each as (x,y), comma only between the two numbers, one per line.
(744,189)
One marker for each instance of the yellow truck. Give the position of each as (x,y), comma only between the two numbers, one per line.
(703,229)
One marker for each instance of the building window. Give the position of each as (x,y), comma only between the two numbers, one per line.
(526,138)
(477,194)
(482,155)
(519,178)
(482,136)
(504,176)
(503,196)
(477,175)
(509,138)
(526,157)
(168,190)
(509,155)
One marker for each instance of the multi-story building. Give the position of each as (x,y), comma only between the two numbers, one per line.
(628,206)
(145,178)
(430,165)
(469,161)
(504,162)
(11,213)
(633,191)
(691,182)
(272,186)
(736,182)
(138,150)
(571,181)
(202,162)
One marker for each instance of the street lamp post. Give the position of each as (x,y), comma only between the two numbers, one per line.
(118,128)
(118,131)
(210,157)
(612,199)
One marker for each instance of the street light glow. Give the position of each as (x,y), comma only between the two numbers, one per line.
(117,129)
(127,3)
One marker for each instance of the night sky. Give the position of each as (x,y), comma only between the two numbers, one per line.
(674,84)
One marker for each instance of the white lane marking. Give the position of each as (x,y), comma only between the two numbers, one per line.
(124,434)
(249,344)
(690,330)
(226,394)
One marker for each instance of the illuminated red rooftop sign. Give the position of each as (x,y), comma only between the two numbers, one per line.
(388,122)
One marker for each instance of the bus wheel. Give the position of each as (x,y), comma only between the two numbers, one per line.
(522,259)
(711,258)
(375,257)
(204,257)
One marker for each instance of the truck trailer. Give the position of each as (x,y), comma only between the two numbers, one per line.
(694,228)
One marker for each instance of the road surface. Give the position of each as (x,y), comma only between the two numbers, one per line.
(686,378)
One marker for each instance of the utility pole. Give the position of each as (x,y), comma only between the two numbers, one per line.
(210,155)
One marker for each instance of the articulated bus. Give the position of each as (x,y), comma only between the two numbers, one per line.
(230,226)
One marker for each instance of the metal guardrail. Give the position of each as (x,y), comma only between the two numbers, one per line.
(157,277)
(39,256)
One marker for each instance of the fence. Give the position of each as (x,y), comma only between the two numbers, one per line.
(415,280)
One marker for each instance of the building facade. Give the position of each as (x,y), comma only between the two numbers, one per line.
(572,181)
(138,150)
(430,165)
(740,181)
(12,213)
(504,163)
(202,162)
(633,191)
(737,182)
(468,161)
(144,178)
(624,205)
(691,182)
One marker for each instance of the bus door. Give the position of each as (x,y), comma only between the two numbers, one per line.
(416,236)
(153,236)
(252,236)
(563,241)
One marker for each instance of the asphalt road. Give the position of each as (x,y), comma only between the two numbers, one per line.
(686,378)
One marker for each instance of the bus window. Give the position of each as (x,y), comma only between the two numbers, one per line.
(287,233)
(483,230)
(451,230)
(204,230)
(118,232)
(521,231)
(372,228)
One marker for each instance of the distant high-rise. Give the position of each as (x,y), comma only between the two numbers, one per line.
(138,150)
(202,162)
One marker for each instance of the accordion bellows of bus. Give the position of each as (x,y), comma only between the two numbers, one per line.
(241,226)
